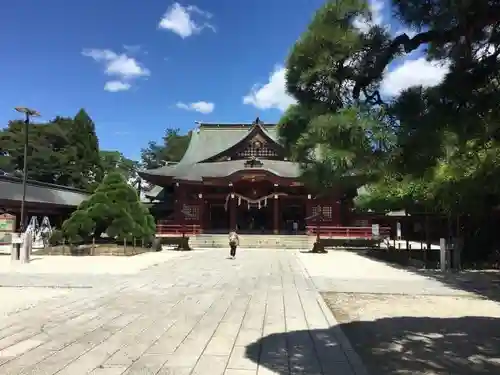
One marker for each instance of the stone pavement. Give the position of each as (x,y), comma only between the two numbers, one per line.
(196,314)
(350,272)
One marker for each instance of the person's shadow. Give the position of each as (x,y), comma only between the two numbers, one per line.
(403,345)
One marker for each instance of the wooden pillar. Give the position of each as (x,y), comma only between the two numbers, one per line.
(206,214)
(201,211)
(177,207)
(318,219)
(180,200)
(335,220)
(308,209)
(276,215)
(232,212)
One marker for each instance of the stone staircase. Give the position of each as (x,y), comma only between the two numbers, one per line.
(254,241)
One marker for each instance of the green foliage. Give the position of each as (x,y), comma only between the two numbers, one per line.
(48,144)
(86,162)
(434,149)
(337,140)
(393,193)
(114,209)
(117,162)
(64,151)
(56,238)
(171,150)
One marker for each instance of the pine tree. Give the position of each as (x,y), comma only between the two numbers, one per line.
(85,162)
(114,209)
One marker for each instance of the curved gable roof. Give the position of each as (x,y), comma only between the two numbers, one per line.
(210,140)
(253,131)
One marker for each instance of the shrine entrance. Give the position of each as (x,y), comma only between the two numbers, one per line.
(252,219)
(254,206)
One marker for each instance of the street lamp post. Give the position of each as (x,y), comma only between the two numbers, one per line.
(29,113)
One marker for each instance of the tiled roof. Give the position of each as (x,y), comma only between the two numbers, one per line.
(195,172)
(212,139)
(209,140)
(38,192)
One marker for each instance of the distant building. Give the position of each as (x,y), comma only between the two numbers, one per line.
(42,199)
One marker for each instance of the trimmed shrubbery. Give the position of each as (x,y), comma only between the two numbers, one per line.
(113,209)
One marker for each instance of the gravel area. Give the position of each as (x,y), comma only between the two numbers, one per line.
(431,335)
(401,322)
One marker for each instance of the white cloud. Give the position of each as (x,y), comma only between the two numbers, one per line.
(202,107)
(271,95)
(179,20)
(377,17)
(115,86)
(419,72)
(121,66)
(126,67)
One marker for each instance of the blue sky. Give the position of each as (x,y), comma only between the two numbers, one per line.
(141,67)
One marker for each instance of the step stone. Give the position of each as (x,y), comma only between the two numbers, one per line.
(254,241)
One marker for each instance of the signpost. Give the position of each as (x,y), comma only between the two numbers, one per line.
(7,227)
(7,235)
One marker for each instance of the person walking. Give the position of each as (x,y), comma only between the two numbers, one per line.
(234,242)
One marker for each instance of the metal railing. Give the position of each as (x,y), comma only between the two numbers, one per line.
(177,229)
(346,232)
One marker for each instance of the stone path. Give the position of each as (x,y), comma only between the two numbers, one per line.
(196,314)
(349,272)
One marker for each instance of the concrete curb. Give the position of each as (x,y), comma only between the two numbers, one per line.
(353,358)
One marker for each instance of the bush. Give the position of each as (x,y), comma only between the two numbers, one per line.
(56,237)
(114,209)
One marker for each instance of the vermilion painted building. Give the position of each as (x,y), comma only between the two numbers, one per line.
(238,176)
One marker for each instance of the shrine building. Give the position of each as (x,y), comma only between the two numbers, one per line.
(238,176)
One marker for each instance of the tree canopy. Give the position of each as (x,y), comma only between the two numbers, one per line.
(114,208)
(172,149)
(63,151)
(116,161)
(434,148)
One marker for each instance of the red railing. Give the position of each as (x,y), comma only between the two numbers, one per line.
(177,229)
(346,232)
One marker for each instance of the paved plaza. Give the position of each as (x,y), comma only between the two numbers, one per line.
(201,313)
(198,313)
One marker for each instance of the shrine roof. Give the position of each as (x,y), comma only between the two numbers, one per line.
(39,192)
(196,172)
(209,140)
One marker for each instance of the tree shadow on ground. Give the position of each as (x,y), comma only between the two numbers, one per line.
(389,346)
(484,283)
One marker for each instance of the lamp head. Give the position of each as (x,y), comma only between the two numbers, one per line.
(28,111)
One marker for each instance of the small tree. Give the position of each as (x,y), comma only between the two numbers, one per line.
(113,209)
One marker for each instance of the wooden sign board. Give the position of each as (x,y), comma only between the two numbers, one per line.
(7,226)
(253,176)
(7,223)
